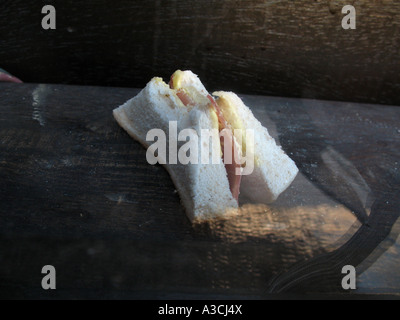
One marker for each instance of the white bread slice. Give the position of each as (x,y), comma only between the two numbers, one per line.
(203,188)
(273,170)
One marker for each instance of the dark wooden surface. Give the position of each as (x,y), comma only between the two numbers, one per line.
(279,48)
(76,192)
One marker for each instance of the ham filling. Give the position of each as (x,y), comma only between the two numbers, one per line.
(231,166)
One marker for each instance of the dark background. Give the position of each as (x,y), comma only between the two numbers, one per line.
(278,48)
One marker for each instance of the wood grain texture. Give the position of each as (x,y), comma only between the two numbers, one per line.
(279,48)
(77,192)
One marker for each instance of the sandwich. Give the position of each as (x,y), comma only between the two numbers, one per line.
(212,146)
